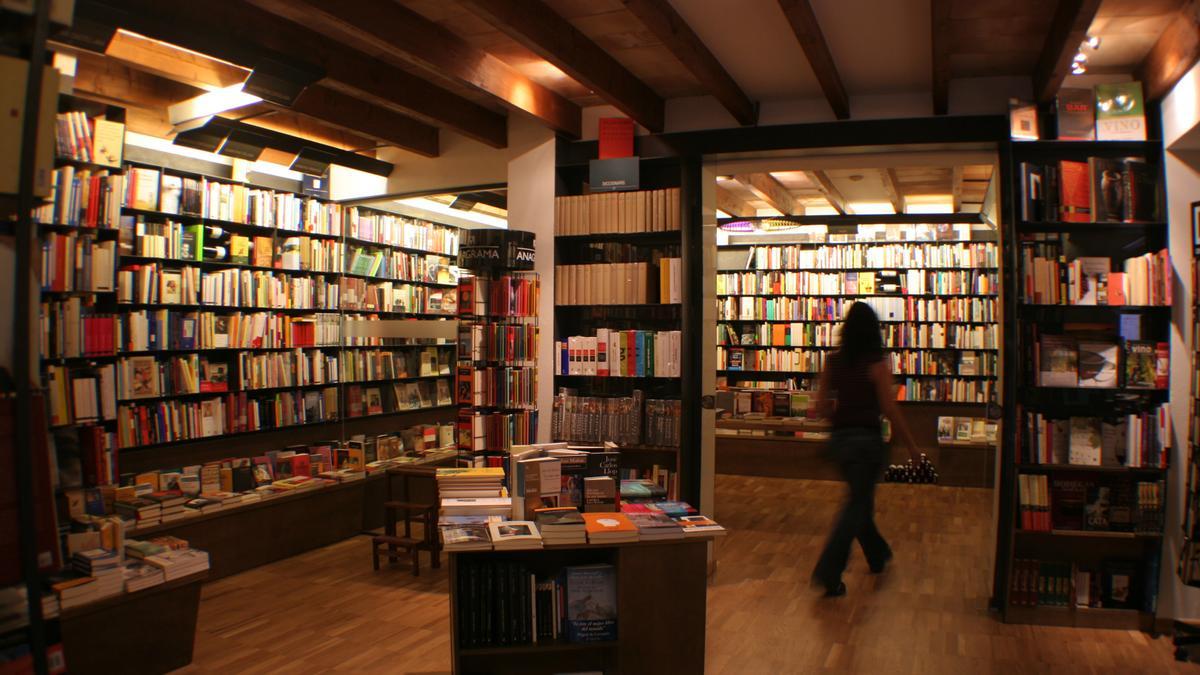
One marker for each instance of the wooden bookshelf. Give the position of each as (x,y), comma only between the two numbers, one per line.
(661,594)
(1090,550)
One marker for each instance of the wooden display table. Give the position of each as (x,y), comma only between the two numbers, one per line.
(151,631)
(661,601)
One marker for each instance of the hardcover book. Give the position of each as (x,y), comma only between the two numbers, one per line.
(1075,194)
(1098,364)
(1059,362)
(1141,366)
(1085,441)
(591,603)
(1120,113)
(1076,110)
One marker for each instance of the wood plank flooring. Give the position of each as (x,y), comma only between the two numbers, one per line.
(326,611)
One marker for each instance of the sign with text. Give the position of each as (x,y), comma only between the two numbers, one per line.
(613,175)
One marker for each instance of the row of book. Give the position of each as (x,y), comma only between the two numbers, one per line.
(167,421)
(503,387)
(1079,502)
(484,435)
(380,227)
(910,282)
(1138,439)
(624,420)
(620,353)
(149,189)
(95,140)
(906,309)
(966,430)
(1113,584)
(152,284)
(974,255)
(514,295)
(945,390)
(764,402)
(100,573)
(1101,361)
(77,262)
(895,336)
(513,344)
(1099,190)
(618,212)
(82,198)
(1107,112)
(1144,280)
(629,283)
(903,362)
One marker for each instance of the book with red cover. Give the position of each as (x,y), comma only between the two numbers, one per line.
(616,137)
(1075,194)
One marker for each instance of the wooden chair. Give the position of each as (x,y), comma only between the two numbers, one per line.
(392,545)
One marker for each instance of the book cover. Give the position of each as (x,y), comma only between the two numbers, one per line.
(1098,364)
(1059,362)
(1141,364)
(1076,110)
(1120,112)
(1139,188)
(1074,192)
(599,494)
(1085,441)
(1108,193)
(1023,120)
(591,603)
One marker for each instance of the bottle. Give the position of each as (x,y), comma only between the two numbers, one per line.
(215,253)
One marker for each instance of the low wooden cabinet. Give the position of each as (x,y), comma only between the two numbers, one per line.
(661,601)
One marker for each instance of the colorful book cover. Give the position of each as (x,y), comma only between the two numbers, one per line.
(1076,109)
(591,604)
(1120,112)
(1075,193)
(1141,365)
(1098,364)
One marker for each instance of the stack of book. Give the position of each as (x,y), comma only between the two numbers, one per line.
(74,591)
(103,565)
(514,535)
(140,576)
(179,563)
(609,528)
(655,526)
(145,512)
(466,533)
(700,526)
(561,525)
(477,506)
(172,502)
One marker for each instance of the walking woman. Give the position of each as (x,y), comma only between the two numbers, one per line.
(855,389)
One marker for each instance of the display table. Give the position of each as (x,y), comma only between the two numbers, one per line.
(661,600)
(151,631)
(787,447)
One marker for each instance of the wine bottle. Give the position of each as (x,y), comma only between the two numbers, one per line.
(216,253)
(214,233)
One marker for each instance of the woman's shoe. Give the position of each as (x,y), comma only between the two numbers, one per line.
(836,591)
(878,569)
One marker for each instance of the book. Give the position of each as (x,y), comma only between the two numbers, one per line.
(609,528)
(1023,120)
(591,603)
(1085,441)
(514,535)
(1120,112)
(1098,364)
(1075,194)
(1107,189)
(1059,356)
(465,537)
(1141,364)
(1076,114)
(599,494)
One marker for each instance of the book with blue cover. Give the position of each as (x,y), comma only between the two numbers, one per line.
(591,603)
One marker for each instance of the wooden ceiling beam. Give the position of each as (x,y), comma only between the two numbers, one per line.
(1068,29)
(661,19)
(732,204)
(829,191)
(172,63)
(237,32)
(391,30)
(892,185)
(1173,55)
(545,33)
(940,26)
(765,187)
(956,189)
(804,24)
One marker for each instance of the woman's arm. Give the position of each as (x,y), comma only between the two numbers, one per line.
(881,375)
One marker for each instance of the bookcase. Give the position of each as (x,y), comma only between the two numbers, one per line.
(619,330)
(647,628)
(1188,567)
(189,315)
(1086,429)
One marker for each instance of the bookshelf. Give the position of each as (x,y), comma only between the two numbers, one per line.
(619,328)
(1086,433)
(646,627)
(1188,567)
(208,317)
(497,370)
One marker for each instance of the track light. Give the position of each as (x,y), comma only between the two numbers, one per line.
(1081,58)
(1078,68)
(1093,42)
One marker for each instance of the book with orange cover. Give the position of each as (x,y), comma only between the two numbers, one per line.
(1075,194)
(609,527)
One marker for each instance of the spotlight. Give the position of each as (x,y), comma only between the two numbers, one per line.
(1078,68)
(1080,57)
(1094,42)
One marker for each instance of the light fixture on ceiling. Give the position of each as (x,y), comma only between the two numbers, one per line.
(463,203)
(1093,42)
(280,82)
(208,104)
(1078,68)
(1080,57)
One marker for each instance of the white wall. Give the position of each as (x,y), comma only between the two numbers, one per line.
(1181,129)
(530,178)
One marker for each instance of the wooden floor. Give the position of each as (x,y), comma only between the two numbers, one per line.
(327,611)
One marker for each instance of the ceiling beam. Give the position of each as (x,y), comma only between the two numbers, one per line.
(661,19)
(765,187)
(956,189)
(1067,31)
(829,191)
(733,204)
(172,63)
(1173,55)
(387,126)
(545,33)
(940,26)
(388,30)
(892,184)
(804,23)
(234,31)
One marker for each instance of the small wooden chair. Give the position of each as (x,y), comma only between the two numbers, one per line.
(392,545)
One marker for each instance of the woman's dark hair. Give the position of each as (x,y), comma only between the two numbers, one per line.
(862,339)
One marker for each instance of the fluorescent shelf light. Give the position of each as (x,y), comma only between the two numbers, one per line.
(210,103)
(872,207)
(438,208)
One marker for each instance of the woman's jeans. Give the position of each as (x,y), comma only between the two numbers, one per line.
(860,453)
